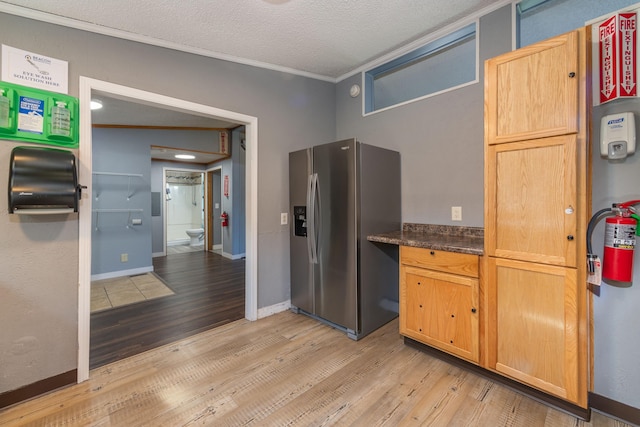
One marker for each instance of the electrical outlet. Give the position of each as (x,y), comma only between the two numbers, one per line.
(284,218)
(124,257)
(456,213)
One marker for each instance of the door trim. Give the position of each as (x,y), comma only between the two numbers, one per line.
(211,208)
(87,85)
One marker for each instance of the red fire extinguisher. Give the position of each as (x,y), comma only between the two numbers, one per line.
(224,217)
(619,242)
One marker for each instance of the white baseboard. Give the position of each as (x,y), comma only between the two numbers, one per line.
(122,273)
(230,256)
(179,242)
(273,309)
(157,254)
(215,247)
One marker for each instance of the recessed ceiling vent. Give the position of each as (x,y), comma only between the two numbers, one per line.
(42,181)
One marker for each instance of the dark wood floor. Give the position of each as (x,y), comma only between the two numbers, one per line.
(209,292)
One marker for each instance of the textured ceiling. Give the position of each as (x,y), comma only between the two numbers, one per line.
(326,39)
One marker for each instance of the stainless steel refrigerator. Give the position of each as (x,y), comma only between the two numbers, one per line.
(338,194)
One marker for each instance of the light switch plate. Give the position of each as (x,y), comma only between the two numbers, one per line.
(284,218)
(456,213)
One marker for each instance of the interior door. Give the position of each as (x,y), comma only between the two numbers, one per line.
(210,227)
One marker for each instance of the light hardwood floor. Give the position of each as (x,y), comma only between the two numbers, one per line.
(287,369)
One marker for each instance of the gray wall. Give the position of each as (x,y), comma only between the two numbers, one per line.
(228,205)
(440,139)
(217,198)
(542,21)
(39,256)
(238,187)
(128,151)
(38,291)
(112,234)
(615,306)
(615,309)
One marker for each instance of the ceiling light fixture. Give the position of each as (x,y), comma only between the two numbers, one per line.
(96,104)
(185,156)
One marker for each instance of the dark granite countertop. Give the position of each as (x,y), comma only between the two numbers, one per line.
(466,240)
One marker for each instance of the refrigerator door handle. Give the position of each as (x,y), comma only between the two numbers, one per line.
(311,218)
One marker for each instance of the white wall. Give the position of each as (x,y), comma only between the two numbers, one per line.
(182,213)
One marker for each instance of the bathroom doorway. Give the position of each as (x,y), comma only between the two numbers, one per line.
(184,201)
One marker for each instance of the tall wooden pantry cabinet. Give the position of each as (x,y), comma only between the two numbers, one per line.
(537,206)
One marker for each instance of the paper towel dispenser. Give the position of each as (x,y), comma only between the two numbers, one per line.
(42,181)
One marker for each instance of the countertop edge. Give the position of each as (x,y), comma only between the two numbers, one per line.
(473,245)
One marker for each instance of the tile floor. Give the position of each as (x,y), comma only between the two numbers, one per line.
(119,291)
(180,249)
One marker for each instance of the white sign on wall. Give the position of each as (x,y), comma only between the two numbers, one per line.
(34,70)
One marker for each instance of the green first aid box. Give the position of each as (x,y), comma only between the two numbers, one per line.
(40,116)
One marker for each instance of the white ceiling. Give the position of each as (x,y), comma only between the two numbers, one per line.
(200,157)
(118,112)
(323,39)
(326,39)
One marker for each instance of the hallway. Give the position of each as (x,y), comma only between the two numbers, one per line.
(209,292)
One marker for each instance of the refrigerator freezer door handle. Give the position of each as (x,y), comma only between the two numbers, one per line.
(311,219)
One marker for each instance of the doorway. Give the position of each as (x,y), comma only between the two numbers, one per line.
(214,210)
(88,87)
(185,220)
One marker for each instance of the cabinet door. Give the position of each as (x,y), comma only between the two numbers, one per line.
(531,206)
(533,92)
(440,309)
(534,327)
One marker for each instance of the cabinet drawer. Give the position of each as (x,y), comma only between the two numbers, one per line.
(448,262)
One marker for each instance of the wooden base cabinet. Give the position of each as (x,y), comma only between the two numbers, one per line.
(439,300)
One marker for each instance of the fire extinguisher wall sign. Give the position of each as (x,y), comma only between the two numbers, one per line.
(619,244)
(617,57)
(608,60)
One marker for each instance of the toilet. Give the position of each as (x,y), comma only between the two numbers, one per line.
(195,234)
